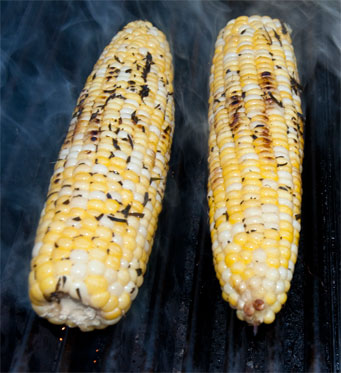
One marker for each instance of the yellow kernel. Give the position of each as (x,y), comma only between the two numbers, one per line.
(35,294)
(70,232)
(60,254)
(82,243)
(127,196)
(62,267)
(270,298)
(96,284)
(238,268)
(124,301)
(273,262)
(104,233)
(98,254)
(48,285)
(96,204)
(240,238)
(102,187)
(269,317)
(112,206)
(129,242)
(123,276)
(282,298)
(271,234)
(100,243)
(51,237)
(112,314)
(89,223)
(99,300)
(111,304)
(43,271)
(113,262)
(233,299)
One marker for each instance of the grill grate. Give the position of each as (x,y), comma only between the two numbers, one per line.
(179,321)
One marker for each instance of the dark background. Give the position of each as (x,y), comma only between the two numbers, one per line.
(179,321)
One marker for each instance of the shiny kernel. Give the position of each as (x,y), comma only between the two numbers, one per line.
(282,298)
(104,233)
(115,314)
(238,268)
(99,300)
(270,298)
(113,262)
(90,223)
(129,243)
(273,262)
(70,232)
(48,285)
(35,294)
(62,267)
(82,243)
(100,243)
(112,206)
(127,196)
(124,301)
(60,254)
(96,284)
(111,304)
(43,271)
(240,238)
(96,204)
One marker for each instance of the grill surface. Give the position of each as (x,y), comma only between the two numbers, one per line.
(179,321)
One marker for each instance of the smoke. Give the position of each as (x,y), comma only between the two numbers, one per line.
(47,51)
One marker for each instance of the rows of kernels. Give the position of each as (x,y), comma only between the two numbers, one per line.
(99,219)
(258,257)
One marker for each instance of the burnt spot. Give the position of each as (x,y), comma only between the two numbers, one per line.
(145,199)
(99,217)
(79,293)
(139,271)
(134,118)
(118,60)
(284,29)
(144,92)
(77,218)
(117,147)
(265,73)
(278,37)
(136,214)
(295,86)
(273,98)
(267,36)
(146,69)
(130,141)
(113,218)
(298,216)
(126,210)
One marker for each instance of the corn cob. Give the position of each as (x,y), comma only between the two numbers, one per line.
(255,164)
(97,226)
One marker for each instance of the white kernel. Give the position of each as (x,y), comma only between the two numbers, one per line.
(280,287)
(234,186)
(260,269)
(100,169)
(96,267)
(291,266)
(63,153)
(272,274)
(97,195)
(220,211)
(79,202)
(106,222)
(237,228)
(259,255)
(120,154)
(124,263)
(129,185)
(247,156)
(88,147)
(78,289)
(155,130)
(296,225)
(110,275)
(269,207)
(224,237)
(282,273)
(78,270)
(143,51)
(270,183)
(71,162)
(36,249)
(285,217)
(116,289)
(226,276)
(79,255)
(268,284)
(117,239)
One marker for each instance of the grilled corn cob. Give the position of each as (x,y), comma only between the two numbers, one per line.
(255,164)
(97,226)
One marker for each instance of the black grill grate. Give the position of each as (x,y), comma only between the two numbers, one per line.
(179,321)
